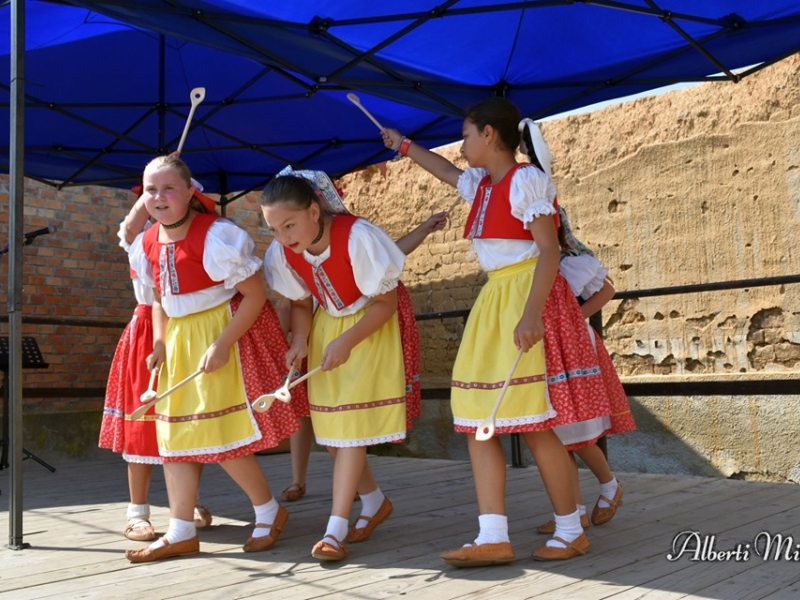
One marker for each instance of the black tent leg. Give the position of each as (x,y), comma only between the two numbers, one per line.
(517,459)
(37,459)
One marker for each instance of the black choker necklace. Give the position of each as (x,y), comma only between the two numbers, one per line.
(321,232)
(177,223)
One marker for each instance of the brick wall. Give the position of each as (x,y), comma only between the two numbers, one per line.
(80,272)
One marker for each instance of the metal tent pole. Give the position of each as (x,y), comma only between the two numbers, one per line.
(15,210)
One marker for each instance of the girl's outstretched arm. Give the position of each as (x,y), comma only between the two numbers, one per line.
(411,241)
(300,317)
(159,354)
(436,165)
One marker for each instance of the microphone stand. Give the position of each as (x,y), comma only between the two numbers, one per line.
(25,242)
(33,357)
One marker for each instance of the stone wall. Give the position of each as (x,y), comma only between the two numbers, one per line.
(695,185)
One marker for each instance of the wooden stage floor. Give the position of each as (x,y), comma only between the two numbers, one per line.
(73,520)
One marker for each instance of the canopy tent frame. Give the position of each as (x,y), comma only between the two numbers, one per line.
(323,26)
(335,65)
(15,269)
(369,64)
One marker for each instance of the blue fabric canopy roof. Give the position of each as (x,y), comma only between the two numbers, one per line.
(105,93)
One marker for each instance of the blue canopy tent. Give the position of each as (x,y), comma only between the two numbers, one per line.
(105,93)
(548,56)
(104,97)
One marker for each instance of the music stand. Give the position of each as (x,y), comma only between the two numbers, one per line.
(31,359)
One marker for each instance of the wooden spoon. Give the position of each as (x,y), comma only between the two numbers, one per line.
(150,393)
(197,95)
(354,99)
(486,428)
(262,403)
(140,412)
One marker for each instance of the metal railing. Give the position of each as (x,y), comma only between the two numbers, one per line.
(747,387)
(773,386)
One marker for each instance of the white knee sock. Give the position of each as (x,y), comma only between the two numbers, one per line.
(608,490)
(178,531)
(265,514)
(493,529)
(137,513)
(337,527)
(370,504)
(568,528)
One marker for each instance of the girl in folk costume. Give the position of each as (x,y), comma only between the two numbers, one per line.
(408,321)
(526,311)
(588,280)
(210,312)
(128,379)
(352,269)
(301,441)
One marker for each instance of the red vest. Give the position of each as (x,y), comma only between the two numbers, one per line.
(494,219)
(333,280)
(178,266)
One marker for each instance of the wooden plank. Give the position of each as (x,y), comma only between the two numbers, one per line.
(246,530)
(589,567)
(610,576)
(73,519)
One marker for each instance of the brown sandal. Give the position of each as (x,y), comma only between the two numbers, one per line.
(602,515)
(324,551)
(576,547)
(294,492)
(140,531)
(202,517)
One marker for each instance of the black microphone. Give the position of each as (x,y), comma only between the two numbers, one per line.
(34,234)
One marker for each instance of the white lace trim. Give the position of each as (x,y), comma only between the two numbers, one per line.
(142,460)
(516,421)
(392,437)
(123,239)
(595,285)
(386,285)
(214,449)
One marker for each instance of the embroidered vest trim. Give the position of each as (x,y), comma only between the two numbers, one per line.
(333,281)
(490,215)
(178,266)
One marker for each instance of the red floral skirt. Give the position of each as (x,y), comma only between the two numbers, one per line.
(127,381)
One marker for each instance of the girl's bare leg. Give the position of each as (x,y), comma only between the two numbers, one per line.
(489,474)
(594,458)
(247,474)
(555,467)
(139,482)
(300,443)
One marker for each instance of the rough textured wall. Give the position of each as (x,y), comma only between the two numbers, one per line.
(693,186)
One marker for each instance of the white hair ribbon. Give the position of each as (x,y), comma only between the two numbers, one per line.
(540,147)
